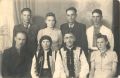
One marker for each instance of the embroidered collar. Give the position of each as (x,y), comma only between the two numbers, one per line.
(66,49)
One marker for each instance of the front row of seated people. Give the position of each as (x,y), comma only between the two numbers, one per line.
(70,61)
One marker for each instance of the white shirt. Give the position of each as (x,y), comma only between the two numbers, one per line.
(71,25)
(103,30)
(45,65)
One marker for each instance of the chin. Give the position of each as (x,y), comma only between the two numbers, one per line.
(70,22)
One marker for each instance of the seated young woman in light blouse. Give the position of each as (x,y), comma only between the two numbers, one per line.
(104,61)
(51,31)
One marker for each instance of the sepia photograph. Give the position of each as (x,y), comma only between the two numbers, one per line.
(59,38)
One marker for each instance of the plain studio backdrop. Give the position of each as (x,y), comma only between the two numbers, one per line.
(10,15)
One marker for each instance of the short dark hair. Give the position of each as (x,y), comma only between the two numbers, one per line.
(69,33)
(97,11)
(72,8)
(23,32)
(26,9)
(99,35)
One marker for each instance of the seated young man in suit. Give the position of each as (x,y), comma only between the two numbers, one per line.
(14,59)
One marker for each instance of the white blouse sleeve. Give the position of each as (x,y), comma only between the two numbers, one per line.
(111,39)
(59,70)
(33,68)
(84,66)
(115,58)
(92,57)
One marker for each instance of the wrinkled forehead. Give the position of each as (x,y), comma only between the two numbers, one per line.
(69,35)
(69,12)
(45,40)
(96,14)
(26,12)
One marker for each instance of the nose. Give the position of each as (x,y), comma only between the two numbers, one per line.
(21,41)
(99,44)
(69,40)
(45,43)
(95,18)
(70,17)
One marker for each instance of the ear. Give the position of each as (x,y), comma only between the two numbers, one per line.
(64,40)
(74,38)
(31,16)
(46,21)
(107,42)
(21,15)
(101,17)
(14,38)
(76,14)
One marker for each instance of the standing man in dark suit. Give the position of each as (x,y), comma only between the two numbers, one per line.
(78,29)
(31,31)
(14,59)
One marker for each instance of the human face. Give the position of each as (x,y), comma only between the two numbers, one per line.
(71,16)
(96,17)
(101,44)
(50,21)
(69,40)
(45,44)
(20,40)
(26,16)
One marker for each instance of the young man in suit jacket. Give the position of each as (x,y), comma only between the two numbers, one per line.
(78,29)
(31,31)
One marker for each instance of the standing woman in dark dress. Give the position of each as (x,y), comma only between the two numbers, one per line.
(43,60)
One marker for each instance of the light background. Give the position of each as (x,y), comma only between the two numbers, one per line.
(10,13)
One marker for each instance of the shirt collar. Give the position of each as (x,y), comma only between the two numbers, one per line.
(73,48)
(71,25)
(27,26)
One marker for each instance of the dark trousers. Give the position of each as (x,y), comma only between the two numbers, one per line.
(46,73)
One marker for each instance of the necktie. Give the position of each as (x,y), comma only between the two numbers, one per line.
(70,28)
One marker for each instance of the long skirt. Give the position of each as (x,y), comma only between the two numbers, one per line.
(46,73)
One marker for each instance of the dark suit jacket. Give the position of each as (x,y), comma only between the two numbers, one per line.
(14,65)
(79,30)
(31,37)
